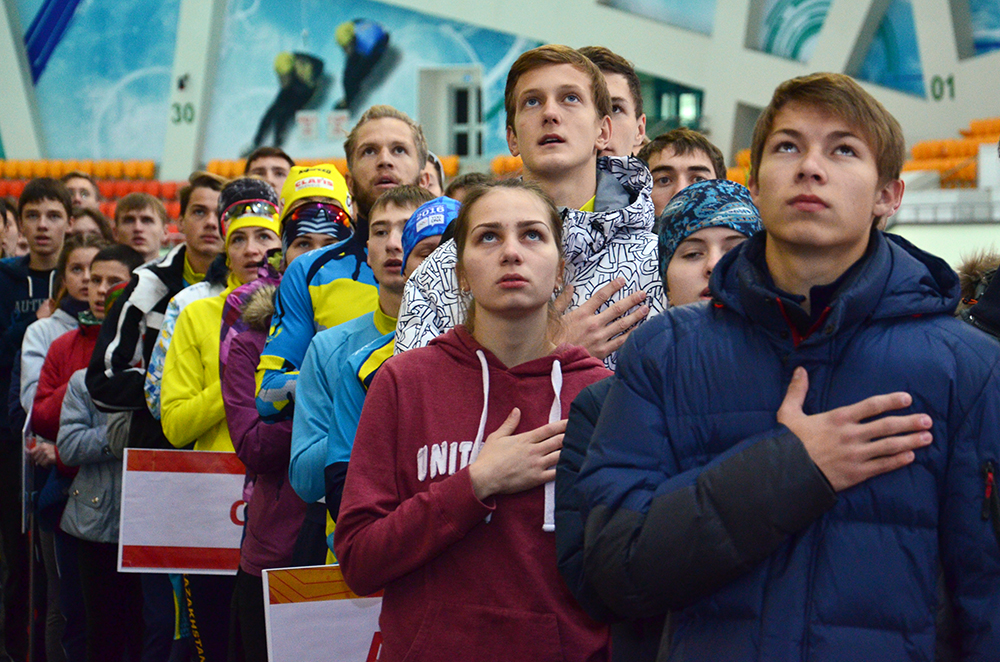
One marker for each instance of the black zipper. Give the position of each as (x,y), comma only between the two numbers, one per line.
(991,499)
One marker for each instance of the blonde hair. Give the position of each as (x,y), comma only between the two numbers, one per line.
(386,112)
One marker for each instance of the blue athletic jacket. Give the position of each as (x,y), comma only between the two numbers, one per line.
(771,564)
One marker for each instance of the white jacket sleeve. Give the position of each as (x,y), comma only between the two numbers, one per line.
(431,302)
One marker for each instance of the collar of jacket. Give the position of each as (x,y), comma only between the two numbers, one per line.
(622,206)
(896,279)
(170,269)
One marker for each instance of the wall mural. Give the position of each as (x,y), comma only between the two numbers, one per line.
(299,73)
(102,74)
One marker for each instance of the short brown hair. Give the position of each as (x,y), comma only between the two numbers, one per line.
(199,179)
(467,181)
(403,197)
(610,62)
(97,217)
(463,221)
(264,152)
(44,188)
(386,112)
(841,96)
(79,174)
(549,54)
(685,141)
(137,202)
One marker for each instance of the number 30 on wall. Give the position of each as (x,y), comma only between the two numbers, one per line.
(182,113)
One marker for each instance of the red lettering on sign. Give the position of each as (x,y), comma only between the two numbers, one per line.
(238,517)
(376,650)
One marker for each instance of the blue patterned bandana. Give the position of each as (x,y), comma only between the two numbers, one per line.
(708,204)
(430,220)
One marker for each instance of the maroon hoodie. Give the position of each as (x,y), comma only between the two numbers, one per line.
(463,579)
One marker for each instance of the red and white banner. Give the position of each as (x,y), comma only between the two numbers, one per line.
(310,614)
(182,511)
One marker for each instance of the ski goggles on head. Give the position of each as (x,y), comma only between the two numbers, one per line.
(319,218)
(255,208)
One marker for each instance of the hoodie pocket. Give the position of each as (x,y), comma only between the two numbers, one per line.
(474,632)
(991,500)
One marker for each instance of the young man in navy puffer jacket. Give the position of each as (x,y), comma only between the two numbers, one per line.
(803,468)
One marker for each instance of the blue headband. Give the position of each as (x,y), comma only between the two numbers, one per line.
(707,204)
(430,220)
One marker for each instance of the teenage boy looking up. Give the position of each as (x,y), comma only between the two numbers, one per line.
(558,120)
(270,164)
(704,494)
(82,189)
(677,159)
(628,121)
(141,223)
(385,149)
(26,283)
(319,290)
(329,350)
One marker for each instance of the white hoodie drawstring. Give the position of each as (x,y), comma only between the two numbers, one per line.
(477,445)
(555,414)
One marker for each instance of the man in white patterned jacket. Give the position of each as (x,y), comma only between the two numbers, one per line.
(558,120)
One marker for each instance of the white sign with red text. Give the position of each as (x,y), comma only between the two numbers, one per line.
(311,614)
(182,511)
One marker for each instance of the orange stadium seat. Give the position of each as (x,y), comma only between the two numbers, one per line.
(505,166)
(107,188)
(152,187)
(986,126)
(108,208)
(168,190)
(174,209)
(450,164)
(738,174)
(743,158)
(16,187)
(122,188)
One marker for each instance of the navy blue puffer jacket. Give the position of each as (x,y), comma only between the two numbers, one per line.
(774,566)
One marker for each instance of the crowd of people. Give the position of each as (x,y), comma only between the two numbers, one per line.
(617,408)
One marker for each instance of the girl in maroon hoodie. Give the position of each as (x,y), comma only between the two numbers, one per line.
(454,522)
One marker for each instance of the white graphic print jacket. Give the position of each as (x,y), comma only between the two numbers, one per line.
(614,240)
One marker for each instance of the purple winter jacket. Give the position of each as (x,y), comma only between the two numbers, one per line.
(275,513)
